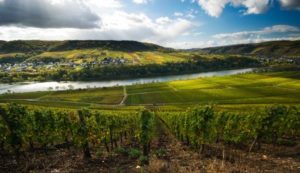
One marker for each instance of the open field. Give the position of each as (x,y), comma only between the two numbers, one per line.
(229,92)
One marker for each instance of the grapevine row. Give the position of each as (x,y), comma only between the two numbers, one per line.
(25,129)
(202,126)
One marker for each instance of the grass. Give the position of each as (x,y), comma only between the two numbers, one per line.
(235,92)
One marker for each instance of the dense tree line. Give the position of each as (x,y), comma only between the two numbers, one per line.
(198,65)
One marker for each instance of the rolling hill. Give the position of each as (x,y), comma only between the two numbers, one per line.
(41,46)
(272,48)
(126,46)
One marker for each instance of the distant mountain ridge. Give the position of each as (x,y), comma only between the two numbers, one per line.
(40,46)
(272,48)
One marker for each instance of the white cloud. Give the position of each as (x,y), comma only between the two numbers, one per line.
(276,32)
(114,24)
(124,25)
(189,44)
(279,29)
(190,14)
(163,20)
(252,6)
(47,14)
(140,1)
(118,25)
(253,40)
(178,14)
(290,4)
(215,8)
(257,33)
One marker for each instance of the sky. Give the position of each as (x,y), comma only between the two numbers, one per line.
(171,23)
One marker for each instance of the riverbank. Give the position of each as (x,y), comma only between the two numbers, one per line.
(70,85)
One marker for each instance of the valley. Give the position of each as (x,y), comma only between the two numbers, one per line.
(146,108)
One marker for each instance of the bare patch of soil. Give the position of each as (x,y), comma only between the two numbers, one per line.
(71,161)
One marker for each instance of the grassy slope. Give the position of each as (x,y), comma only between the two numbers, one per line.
(229,92)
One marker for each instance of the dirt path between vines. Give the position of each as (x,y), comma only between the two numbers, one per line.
(169,155)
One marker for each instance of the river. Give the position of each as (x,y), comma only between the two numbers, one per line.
(46,86)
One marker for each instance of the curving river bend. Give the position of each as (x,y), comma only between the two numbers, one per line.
(46,86)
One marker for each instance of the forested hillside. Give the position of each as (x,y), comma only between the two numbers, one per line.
(40,46)
(272,48)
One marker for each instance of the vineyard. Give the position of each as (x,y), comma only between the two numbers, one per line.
(24,130)
(149,86)
(239,123)
(202,126)
(136,136)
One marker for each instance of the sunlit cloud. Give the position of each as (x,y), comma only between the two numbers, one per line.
(178,26)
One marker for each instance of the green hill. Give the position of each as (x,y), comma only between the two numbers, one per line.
(126,46)
(41,46)
(25,46)
(272,48)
